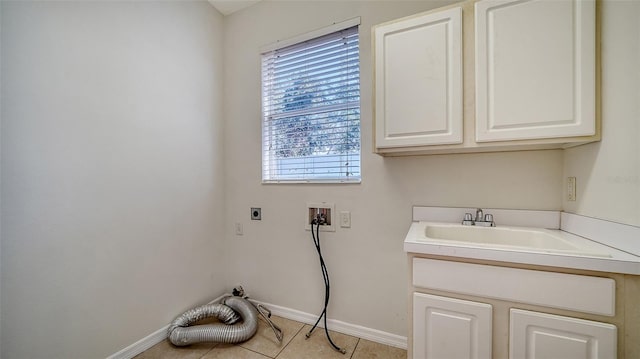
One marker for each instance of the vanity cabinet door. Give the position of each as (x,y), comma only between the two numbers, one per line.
(535,69)
(535,335)
(450,328)
(418,80)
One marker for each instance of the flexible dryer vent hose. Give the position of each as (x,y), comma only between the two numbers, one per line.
(180,333)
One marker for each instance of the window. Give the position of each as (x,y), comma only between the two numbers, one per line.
(311,108)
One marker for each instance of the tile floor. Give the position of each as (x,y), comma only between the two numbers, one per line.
(264,345)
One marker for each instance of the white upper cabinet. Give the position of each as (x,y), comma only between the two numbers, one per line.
(487,75)
(535,69)
(418,80)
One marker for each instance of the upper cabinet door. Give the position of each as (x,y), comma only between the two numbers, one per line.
(418,80)
(535,69)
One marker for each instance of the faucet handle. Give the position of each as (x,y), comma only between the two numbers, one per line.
(488,218)
(467,220)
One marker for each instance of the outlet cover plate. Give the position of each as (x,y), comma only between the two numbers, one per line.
(571,188)
(256,214)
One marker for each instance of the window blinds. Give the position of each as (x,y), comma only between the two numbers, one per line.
(311,110)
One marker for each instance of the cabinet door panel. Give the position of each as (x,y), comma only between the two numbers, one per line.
(450,328)
(538,335)
(418,79)
(535,69)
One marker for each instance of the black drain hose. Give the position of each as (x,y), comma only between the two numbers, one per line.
(327,287)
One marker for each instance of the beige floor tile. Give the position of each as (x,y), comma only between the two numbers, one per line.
(317,346)
(166,350)
(228,351)
(265,341)
(370,350)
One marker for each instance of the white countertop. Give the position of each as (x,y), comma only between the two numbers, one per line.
(615,261)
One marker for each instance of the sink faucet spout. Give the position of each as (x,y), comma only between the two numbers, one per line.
(483,220)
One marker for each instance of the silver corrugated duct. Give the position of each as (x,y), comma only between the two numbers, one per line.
(181,334)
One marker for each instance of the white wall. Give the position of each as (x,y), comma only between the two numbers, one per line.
(112,185)
(275,259)
(608,172)
(117,190)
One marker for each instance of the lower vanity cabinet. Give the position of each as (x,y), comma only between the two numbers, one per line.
(450,328)
(446,327)
(487,323)
(534,335)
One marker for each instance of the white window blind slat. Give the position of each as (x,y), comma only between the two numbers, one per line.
(320,58)
(320,48)
(352,75)
(328,109)
(312,74)
(311,110)
(335,83)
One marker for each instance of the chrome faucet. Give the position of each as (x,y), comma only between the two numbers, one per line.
(483,220)
(479,215)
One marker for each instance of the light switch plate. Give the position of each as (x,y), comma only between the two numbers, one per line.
(345,219)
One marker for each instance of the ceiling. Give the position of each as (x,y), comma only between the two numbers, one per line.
(227,7)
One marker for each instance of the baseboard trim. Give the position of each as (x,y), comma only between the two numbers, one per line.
(148,341)
(373,335)
(141,345)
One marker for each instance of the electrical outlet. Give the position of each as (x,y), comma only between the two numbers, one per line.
(571,188)
(256,214)
(239,230)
